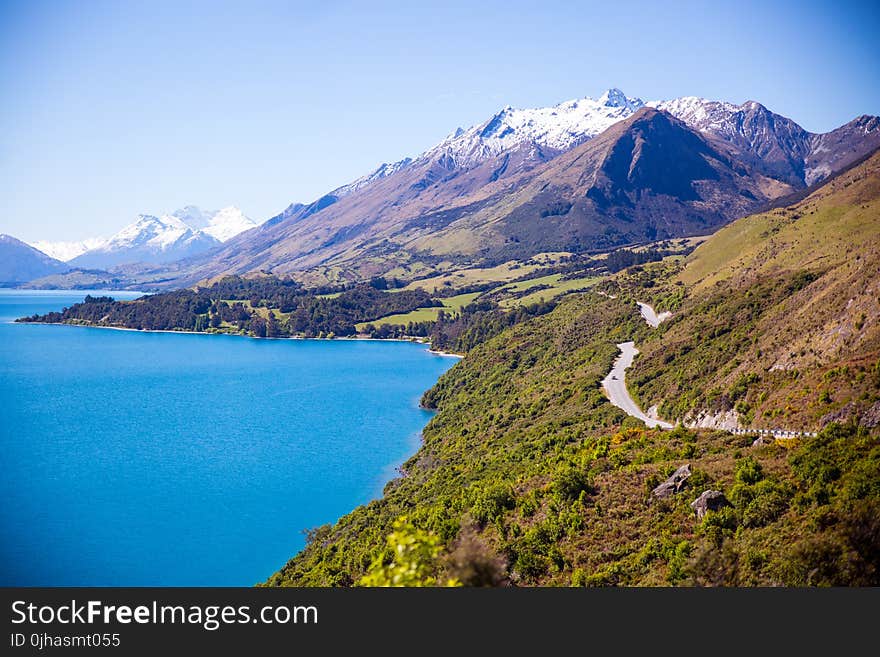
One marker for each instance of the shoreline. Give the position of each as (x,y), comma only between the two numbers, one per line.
(436,352)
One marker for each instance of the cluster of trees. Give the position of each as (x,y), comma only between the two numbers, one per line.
(460,332)
(178,310)
(263,307)
(410,329)
(479,322)
(623,258)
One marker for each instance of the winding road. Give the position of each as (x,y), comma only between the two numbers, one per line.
(614,384)
(654,320)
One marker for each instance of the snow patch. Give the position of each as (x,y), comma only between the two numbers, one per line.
(65,251)
(558,127)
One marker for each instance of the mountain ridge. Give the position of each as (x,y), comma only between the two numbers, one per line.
(415,213)
(20,262)
(395,216)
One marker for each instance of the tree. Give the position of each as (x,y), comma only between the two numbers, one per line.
(272,328)
(415,561)
(258,326)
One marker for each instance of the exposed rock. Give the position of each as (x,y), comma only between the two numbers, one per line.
(675,482)
(854,412)
(843,414)
(709,500)
(725,420)
(760,441)
(871,417)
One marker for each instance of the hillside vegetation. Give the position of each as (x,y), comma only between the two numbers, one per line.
(528,476)
(781,320)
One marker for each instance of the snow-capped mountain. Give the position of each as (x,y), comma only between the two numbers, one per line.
(148,239)
(781,147)
(181,234)
(699,113)
(556,128)
(777,145)
(221,224)
(67,251)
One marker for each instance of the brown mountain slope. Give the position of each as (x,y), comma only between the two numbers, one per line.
(647,177)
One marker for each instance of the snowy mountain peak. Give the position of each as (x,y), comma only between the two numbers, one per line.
(150,230)
(192,215)
(148,239)
(616,98)
(66,251)
(148,236)
(699,113)
(222,225)
(183,233)
(558,128)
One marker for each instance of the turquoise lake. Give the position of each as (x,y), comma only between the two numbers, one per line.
(160,459)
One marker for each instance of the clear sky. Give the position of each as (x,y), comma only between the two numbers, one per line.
(110,109)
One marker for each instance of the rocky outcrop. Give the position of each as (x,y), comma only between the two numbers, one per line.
(725,420)
(854,412)
(871,417)
(674,483)
(709,500)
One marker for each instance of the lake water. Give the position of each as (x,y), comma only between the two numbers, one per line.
(138,459)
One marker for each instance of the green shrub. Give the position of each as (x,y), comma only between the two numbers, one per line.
(718,525)
(748,471)
(568,483)
(491,503)
(769,501)
(529,564)
(678,562)
(414,562)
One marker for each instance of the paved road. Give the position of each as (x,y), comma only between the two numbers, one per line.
(654,320)
(615,386)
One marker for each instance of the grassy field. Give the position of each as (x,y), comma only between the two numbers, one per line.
(521,286)
(505,272)
(453,304)
(557,288)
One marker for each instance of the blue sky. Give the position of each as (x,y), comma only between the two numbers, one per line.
(110,109)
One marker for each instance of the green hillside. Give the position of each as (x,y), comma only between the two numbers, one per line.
(527,475)
(782,318)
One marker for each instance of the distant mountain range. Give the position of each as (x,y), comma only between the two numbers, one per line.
(583,175)
(20,262)
(184,233)
(66,251)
